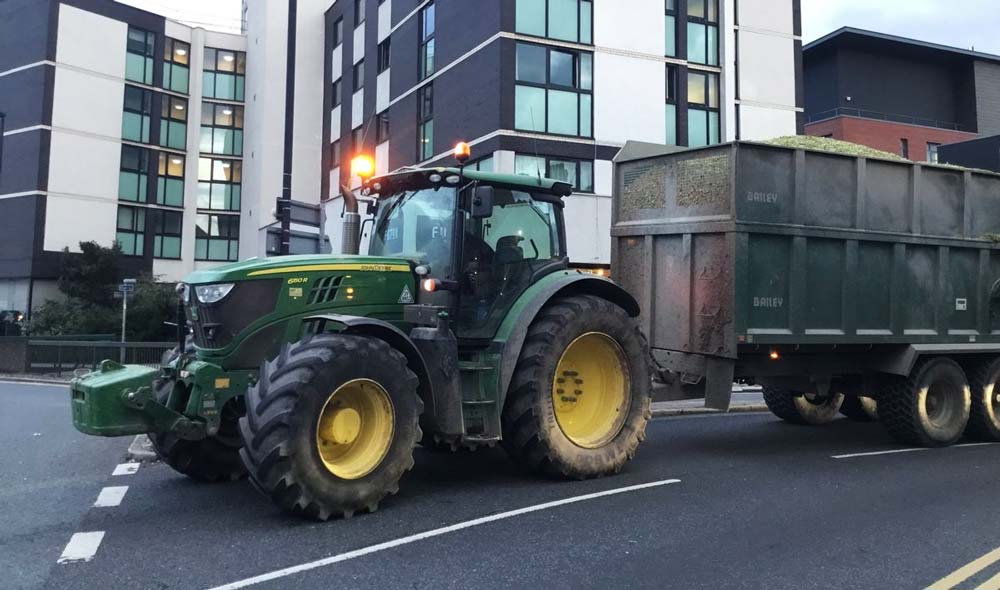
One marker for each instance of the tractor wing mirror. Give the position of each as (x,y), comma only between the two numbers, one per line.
(481,205)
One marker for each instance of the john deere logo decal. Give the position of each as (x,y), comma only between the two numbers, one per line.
(406,296)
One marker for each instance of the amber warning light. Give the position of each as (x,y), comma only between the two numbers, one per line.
(363,166)
(462,152)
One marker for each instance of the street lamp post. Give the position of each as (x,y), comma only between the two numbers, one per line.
(126,288)
(3,128)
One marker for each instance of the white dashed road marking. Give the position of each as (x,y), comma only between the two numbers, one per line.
(434,533)
(126,469)
(111,496)
(81,547)
(913,450)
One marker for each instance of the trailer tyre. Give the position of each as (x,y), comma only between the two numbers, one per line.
(929,408)
(578,403)
(211,460)
(802,408)
(860,408)
(331,425)
(984,415)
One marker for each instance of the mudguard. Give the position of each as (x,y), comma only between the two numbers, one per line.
(514,329)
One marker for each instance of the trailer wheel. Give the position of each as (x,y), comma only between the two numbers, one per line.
(984,415)
(213,459)
(331,425)
(802,408)
(579,400)
(859,408)
(929,408)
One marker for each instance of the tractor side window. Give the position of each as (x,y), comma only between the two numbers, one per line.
(500,256)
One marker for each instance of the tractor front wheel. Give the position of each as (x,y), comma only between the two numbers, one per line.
(331,425)
(579,399)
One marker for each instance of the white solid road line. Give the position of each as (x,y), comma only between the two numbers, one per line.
(288,571)
(126,469)
(81,547)
(110,496)
(914,450)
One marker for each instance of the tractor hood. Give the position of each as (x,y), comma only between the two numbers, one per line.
(278,266)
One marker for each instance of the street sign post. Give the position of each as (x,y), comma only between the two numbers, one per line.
(126,289)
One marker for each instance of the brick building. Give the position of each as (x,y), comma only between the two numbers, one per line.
(899,95)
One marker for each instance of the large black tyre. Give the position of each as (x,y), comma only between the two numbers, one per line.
(213,459)
(984,413)
(799,408)
(930,408)
(282,428)
(859,408)
(533,434)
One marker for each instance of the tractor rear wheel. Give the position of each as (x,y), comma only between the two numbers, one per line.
(930,408)
(212,459)
(579,399)
(802,408)
(331,425)
(859,408)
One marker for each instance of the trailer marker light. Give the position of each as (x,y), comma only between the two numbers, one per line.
(429,285)
(774,355)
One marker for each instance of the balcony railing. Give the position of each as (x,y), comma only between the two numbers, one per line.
(891,117)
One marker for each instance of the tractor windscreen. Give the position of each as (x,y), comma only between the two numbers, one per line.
(417,225)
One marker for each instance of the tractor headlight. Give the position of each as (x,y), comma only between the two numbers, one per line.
(213,293)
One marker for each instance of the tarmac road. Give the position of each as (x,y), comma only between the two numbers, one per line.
(717,501)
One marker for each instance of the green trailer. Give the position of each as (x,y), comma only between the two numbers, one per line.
(835,282)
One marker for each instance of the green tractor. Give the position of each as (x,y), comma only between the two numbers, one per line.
(317,376)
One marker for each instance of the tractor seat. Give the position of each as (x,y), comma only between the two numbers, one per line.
(508,251)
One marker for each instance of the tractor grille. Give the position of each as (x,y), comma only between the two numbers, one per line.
(217,324)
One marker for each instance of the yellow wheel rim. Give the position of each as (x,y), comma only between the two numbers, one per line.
(355,429)
(590,390)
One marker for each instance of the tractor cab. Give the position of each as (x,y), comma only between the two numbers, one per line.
(478,239)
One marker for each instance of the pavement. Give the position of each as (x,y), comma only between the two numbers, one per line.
(711,501)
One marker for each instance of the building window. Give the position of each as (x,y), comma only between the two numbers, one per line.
(703,109)
(358,75)
(170,182)
(176,65)
(703,32)
(225,74)
(565,20)
(359,12)
(133,174)
(137,113)
(131,230)
(671,106)
(578,173)
(338,92)
(904,148)
(173,122)
(140,49)
(338,32)
(384,56)
(217,237)
(670,36)
(483,165)
(166,233)
(219,184)
(382,127)
(336,156)
(932,153)
(426,41)
(425,123)
(554,93)
(221,129)
(358,139)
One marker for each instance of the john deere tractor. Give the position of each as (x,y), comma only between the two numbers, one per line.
(318,375)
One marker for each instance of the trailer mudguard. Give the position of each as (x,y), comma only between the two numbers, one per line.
(514,329)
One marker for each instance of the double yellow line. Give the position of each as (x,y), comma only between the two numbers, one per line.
(965,572)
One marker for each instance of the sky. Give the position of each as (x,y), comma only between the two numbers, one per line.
(958,23)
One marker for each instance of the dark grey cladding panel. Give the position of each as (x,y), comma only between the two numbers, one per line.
(18,236)
(462,25)
(403,132)
(401,8)
(404,58)
(467,99)
(558,148)
(25,162)
(22,97)
(24,32)
(129,14)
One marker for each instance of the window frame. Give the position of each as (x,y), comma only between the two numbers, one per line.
(145,112)
(337,92)
(382,127)
(360,7)
(137,229)
(670,11)
(338,32)
(426,51)
(232,189)
(579,165)
(141,172)
(671,89)
(707,23)
(164,176)
(358,76)
(384,51)
(579,23)
(158,223)
(236,127)
(707,106)
(425,123)
(148,54)
(171,122)
(210,237)
(212,69)
(933,153)
(336,154)
(171,49)
(577,87)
